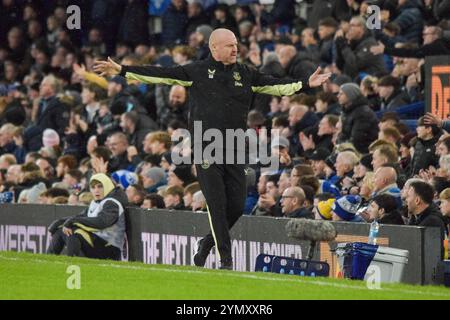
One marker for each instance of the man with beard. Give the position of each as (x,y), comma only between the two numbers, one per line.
(176,109)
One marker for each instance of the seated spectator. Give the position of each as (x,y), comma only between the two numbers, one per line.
(383,209)
(420,205)
(153,179)
(72,180)
(47,197)
(153,201)
(173,198)
(64,165)
(391,135)
(319,165)
(359,122)
(189,192)
(299,171)
(392,97)
(121,158)
(383,155)
(345,209)
(353,50)
(345,163)
(135,194)
(425,147)
(180,176)
(443,148)
(324,209)
(135,128)
(327,103)
(6,161)
(268,202)
(292,203)
(106,217)
(444,196)
(368,88)
(385,183)
(157,143)
(198,202)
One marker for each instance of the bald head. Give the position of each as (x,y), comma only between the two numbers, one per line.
(223,46)
(177,96)
(384,177)
(296,113)
(286,54)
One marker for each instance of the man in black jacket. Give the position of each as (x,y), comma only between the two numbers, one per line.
(220,91)
(293,204)
(99,231)
(52,113)
(425,147)
(359,122)
(420,205)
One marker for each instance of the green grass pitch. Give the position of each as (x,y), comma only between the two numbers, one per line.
(29,276)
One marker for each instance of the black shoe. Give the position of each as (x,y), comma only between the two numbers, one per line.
(199,260)
(226,265)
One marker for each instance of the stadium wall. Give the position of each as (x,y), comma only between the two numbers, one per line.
(169,237)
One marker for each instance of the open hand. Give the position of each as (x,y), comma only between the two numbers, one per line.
(317,79)
(107,68)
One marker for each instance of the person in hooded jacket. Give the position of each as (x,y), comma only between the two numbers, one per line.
(99,231)
(359,122)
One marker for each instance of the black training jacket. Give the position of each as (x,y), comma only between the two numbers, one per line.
(219,95)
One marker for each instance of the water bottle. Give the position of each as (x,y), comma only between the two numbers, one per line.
(373,234)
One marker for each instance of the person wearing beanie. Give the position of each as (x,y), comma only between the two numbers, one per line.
(99,231)
(359,122)
(180,176)
(345,209)
(364,166)
(222,81)
(50,138)
(166,161)
(324,209)
(153,178)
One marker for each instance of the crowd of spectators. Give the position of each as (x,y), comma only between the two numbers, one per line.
(60,123)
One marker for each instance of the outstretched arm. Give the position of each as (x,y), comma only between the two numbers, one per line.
(145,74)
(266,84)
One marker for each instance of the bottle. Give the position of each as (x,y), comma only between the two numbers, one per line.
(373,234)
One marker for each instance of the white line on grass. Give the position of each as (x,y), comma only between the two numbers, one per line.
(234,275)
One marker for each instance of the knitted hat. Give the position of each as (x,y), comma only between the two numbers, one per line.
(346,207)
(205,31)
(351,90)
(327,187)
(324,209)
(125,178)
(184,173)
(50,138)
(167,156)
(280,141)
(320,154)
(366,161)
(156,174)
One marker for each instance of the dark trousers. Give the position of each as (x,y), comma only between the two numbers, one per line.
(84,244)
(225,191)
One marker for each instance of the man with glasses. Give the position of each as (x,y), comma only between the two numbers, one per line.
(353,54)
(293,204)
